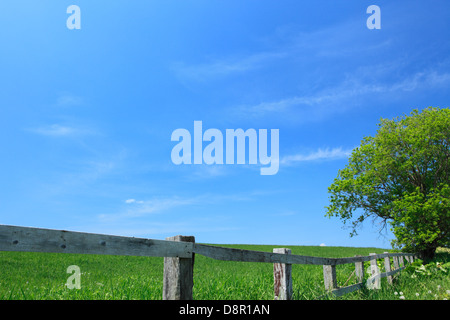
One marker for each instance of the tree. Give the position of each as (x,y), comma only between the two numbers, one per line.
(401,176)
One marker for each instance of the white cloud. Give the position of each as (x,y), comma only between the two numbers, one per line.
(429,78)
(285,43)
(68,100)
(225,66)
(129,201)
(58,130)
(142,208)
(342,97)
(55,130)
(323,245)
(320,154)
(159,205)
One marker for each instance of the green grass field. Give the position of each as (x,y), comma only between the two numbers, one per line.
(43,276)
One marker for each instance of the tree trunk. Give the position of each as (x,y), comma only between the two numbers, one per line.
(427,254)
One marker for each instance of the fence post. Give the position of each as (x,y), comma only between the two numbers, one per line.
(396,265)
(401,263)
(359,270)
(178,274)
(329,277)
(282,277)
(387,266)
(374,271)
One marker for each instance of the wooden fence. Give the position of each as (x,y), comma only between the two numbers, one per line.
(179,253)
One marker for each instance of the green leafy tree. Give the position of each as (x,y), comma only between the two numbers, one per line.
(401,176)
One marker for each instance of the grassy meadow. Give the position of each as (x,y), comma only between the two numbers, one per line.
(43,276)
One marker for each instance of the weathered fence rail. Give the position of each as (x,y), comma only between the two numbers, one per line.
(14,238)
(179,253)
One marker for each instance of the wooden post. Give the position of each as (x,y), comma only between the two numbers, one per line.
(387,266)
(374,271)
(401,263)
(359,270)
(329,277)
(178,274)
(396,265)
(282,277)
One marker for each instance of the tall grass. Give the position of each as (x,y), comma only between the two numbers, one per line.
(42,276)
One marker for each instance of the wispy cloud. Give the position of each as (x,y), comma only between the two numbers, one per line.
(141,208)
(55,130)
(68,100)
(288,104)
(425,79)
(320,154)
(158,205)
(342,97)
(286,43)
(58,130)
(221,67)
(133,201)
(77,177)
(357,72)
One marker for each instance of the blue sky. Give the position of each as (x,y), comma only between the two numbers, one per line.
(86,116)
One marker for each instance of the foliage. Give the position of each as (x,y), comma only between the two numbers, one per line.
(418,269)
(401,176)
